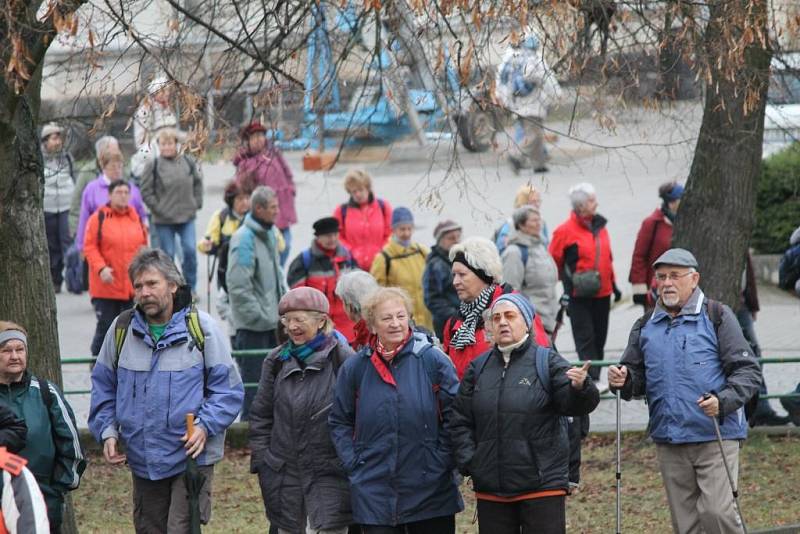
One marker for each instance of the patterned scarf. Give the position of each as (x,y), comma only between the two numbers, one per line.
(301,352)
(387,355)
(471,311)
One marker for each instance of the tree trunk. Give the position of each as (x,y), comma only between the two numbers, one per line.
(27,295)
(717,212)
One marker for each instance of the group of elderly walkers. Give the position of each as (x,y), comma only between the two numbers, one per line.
(380,438)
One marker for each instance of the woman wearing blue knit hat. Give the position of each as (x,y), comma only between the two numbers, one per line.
(508,424)
(401,263)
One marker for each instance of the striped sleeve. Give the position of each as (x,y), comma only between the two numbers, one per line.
(70,461)
(24,510)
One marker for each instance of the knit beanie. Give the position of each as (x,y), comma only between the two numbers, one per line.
(522,303)
(444,227)
(402,215)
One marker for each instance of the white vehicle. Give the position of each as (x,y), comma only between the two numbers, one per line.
(782,116)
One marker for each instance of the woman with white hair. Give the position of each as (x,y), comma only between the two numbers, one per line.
(354,288)
(478,280)
(581,248)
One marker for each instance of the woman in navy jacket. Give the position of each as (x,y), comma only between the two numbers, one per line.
(391,401)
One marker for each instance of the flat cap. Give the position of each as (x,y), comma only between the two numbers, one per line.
(680,257)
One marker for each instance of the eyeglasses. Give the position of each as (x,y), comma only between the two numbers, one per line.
(662,277)
(299,320)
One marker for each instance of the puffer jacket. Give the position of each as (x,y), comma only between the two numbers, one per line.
(573,245)
(113,245)
(53,448)
(144,397)
(324,270)
(506,429)
(291,445)
(462,357)
(387,426)
(535,279)
(364,230)
(438,291)
(59,181)
(654,239)
(270,168)
(399,266)
(254,278)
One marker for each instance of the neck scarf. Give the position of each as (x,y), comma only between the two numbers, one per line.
(302,352)
(471,311)
(387,355)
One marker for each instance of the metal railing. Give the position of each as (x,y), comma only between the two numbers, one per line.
(595,363)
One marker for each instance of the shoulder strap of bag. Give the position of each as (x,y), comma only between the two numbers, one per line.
(101,216)
(124,322)
(306,257)
(543,367)
(47,395)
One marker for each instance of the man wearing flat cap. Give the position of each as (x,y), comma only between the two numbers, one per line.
(690,360)
(320,267)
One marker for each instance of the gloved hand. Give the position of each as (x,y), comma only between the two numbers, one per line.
(617,293)
(640,298)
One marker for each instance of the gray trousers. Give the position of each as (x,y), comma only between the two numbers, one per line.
(698,491)
(310,530)
(162,506)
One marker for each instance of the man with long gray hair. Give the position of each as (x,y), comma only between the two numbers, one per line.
(159,362)
(255,284)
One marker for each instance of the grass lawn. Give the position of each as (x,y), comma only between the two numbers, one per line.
(770,491)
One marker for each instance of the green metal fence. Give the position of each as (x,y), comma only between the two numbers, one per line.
(596,363)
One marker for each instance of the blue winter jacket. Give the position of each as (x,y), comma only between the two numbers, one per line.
(145,399)
(674,361)
(439,294)
(387,427)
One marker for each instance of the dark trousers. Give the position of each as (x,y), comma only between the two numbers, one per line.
(589,319)
(250,366)
(162,506)
(106,310)
(56,226)
(445,524)
(577,430)
(546,515)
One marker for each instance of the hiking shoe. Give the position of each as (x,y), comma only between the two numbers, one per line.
(792,407)
(770,419)
(541,168)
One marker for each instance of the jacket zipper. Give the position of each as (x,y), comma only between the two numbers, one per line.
(500,425)
(320,412)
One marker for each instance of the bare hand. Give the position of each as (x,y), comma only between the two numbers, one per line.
(196,443)
(110,452)
(710,406)
(205,245)
(107,275)
(578,375)
(617,375)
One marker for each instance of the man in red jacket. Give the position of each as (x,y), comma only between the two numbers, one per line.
(653,240)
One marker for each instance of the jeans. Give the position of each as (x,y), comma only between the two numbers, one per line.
(166,242)
(250,366)
(287,239)
(56,226)
(106,310)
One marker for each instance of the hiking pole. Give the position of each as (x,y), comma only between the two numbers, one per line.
(619,463)
(734,491)
(210,268)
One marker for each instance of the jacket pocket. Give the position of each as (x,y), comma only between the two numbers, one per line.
(185,395)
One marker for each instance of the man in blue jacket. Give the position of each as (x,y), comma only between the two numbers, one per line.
(687,347)
(160,361)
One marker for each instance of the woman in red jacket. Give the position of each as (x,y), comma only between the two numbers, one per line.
(114,234)
(582,251)
(365,221)
(653,239)
(477,279)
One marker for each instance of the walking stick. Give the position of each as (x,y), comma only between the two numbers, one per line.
(619,464)
(734,491)
(559,322)
(210,268)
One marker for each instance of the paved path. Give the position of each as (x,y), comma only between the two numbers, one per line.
(477,190)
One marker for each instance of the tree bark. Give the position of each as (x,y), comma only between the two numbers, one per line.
(716,215)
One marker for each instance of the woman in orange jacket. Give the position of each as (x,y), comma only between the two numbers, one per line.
(114,234)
